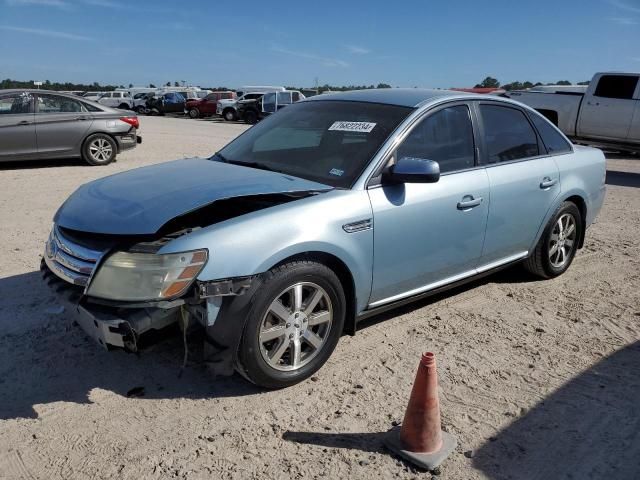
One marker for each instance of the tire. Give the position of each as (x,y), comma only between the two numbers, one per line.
(123,106)
(141,109)
(278,326)
(99,149)
(229,115)
(251,117)
(556,248)
(194,113)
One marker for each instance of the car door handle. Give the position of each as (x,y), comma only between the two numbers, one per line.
(467,204)
(548,182)
(81,117)
(24,122)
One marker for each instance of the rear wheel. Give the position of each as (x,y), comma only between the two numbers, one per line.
(194,113)
(99,149)
(558,244)
(293,326)
(123,106)
(251,117)
(229,115)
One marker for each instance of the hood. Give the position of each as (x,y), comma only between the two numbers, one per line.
(141,201)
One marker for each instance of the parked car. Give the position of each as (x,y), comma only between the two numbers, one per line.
(169,102)
(252,111)
(607,114)
(121,100)
(205,107)
(39,124)
(335,209)
(227,108)
(140,101)
(92,95)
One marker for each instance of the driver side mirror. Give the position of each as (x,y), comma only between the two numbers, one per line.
(412,170)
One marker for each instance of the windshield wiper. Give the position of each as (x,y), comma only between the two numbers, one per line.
(256,165)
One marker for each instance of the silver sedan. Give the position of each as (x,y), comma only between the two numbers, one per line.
(40,125)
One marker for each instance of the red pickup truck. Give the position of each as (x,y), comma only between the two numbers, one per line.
(205,107)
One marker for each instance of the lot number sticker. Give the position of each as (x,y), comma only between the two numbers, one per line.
(363,127)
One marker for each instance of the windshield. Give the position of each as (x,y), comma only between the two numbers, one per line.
(330,142)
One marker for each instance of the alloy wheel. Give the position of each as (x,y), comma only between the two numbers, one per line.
(100,150)
(562,240)
(296,326)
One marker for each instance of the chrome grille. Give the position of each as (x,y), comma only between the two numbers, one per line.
(72,262)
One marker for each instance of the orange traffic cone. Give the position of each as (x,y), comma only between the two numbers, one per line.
(420,439)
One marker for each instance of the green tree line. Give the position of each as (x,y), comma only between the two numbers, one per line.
(491,82)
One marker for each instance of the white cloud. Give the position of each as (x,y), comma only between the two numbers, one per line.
(47,33)
(623,21)
(43,3)
(624,6)
(355,49)
(324,61)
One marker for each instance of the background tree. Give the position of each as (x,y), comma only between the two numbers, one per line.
(168,84)
(176,84)
(489,82)
(151,85)
(564,82)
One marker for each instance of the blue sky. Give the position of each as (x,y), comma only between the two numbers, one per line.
(423,43)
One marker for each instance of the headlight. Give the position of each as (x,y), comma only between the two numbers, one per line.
(143,276)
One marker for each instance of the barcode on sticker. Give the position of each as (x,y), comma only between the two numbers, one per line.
(364,127)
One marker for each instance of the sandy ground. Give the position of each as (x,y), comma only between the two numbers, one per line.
(539,379)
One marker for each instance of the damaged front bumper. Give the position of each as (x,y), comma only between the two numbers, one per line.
(110,326)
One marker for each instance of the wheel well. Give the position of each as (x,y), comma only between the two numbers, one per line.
(344,275)
(582,206)
(550,115)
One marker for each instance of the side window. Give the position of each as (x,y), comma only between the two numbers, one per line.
(445,136)
(296,96)
(508,134)
(284,98)
(551,137)
(56,104)
(15,104)
(616,86)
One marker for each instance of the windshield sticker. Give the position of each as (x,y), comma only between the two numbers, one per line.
(336,171)
(364,127)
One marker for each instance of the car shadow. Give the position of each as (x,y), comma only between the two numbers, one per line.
(51,360)
(31,164)
(587,429)
(623,179)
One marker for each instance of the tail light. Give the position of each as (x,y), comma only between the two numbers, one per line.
(133,121)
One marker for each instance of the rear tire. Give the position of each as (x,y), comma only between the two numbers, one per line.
(99,149)
(558,244)
(251,117)
(293,326)
(123,106)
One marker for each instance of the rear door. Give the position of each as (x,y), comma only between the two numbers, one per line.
(17,126)
(61,125)
(608,112)
(523,178)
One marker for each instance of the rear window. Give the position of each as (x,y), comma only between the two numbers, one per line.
(616,86)
(551,137)
(508,134)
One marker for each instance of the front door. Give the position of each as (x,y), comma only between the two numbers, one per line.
(427,235)
(608,113)
(524,183)
(61,125)
(17,126)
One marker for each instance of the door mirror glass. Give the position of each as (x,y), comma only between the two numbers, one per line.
(412,170)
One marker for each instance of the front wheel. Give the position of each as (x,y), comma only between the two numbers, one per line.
(194,113)
(229,115)
(558,244)
(293,326)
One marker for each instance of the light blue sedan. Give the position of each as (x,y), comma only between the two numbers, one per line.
(328,212)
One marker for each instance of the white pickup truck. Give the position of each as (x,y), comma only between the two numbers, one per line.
(606,114)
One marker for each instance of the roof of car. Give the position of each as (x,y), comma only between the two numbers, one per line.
(405,97)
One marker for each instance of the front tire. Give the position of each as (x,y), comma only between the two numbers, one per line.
(558,244)
(99,149)
(293,326)
(194,113)
(229,115)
